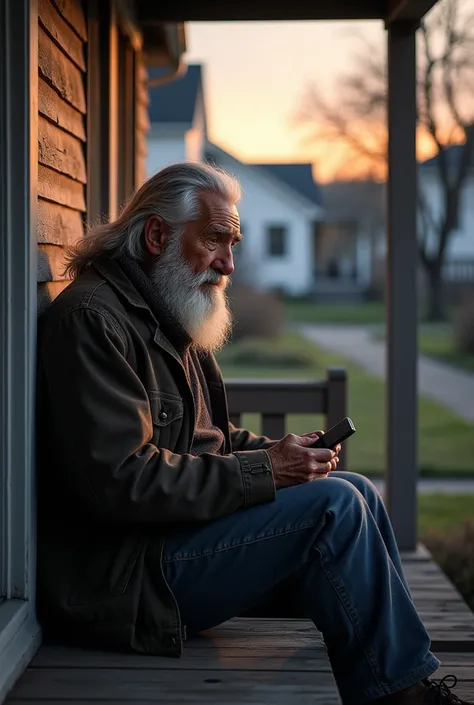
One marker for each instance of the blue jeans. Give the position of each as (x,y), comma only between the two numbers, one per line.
(332,540)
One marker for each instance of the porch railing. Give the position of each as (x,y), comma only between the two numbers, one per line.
(274,399)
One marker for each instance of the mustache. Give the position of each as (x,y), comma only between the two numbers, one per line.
(212,276)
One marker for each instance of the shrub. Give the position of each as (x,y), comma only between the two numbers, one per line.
(257,314)
(464,327)
(454,552)
(255,353)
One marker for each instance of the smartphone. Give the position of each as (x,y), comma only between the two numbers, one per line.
(335,435)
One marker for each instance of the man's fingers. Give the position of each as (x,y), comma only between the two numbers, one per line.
(323,455)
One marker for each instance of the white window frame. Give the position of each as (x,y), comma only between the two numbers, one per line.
(286,231)
(19,631)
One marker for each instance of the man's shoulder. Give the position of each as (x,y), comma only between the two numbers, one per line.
(90,291)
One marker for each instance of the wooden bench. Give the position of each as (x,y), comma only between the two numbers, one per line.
(274,399)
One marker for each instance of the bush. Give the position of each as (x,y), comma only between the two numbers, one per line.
(454,552)
(464,327)
(257,314)
(254,353)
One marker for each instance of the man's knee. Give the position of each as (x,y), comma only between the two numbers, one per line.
(336,494)
(365,486)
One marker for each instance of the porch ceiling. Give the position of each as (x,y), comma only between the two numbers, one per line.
(209,10)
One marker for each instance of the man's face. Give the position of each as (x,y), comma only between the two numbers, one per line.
(193,272)
(208,242)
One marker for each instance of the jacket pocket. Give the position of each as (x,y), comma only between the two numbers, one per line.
(103,568)
(167,415)
(165,408)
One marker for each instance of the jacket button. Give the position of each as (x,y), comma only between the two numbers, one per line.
(163,416)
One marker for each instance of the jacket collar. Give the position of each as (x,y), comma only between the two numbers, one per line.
(116,277)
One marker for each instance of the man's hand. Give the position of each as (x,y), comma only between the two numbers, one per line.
(294,462)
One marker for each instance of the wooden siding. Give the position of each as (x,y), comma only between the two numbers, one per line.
(62,173)
(142,122)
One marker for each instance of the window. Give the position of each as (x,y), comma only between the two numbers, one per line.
(277,241)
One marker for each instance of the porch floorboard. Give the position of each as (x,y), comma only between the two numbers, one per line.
(246,661)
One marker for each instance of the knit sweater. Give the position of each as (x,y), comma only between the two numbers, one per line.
(208,438)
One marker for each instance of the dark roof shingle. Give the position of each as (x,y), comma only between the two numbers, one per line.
(175,102)
(299,177)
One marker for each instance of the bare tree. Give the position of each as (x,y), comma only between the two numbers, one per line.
(357,120)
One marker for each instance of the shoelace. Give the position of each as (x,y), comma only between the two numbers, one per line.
(443,691)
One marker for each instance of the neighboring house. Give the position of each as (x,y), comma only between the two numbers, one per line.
(281,205)
(459,257)
(73,123)
(348,240)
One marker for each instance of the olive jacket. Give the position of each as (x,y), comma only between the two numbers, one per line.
(115,423)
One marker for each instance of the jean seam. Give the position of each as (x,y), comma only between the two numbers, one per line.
(265,537)
(344,597)
(353,616)
(406,681)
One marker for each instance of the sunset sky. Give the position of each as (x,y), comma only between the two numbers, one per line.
(255,74)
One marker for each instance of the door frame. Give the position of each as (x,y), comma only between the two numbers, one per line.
(19,630)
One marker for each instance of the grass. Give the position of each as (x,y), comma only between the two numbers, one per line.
(309,311)
(446,442)
(436,341)
(443,511)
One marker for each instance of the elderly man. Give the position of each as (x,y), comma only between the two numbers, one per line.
(169,518)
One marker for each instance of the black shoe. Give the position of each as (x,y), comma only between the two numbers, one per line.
(439,693)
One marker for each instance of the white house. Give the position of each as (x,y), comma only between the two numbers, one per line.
(459,258)
(281,205)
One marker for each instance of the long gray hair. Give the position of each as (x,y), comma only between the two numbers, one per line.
(172,193)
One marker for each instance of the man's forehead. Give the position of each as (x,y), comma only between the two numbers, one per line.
(215,206)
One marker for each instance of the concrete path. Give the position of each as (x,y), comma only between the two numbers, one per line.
(428,485)
(451,387)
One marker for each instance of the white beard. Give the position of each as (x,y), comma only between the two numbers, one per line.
(202,311)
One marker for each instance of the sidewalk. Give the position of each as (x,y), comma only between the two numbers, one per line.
(428,485)
(452,388)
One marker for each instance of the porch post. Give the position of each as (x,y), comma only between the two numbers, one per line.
(401,286)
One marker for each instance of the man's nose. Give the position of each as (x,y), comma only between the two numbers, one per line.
(225,264)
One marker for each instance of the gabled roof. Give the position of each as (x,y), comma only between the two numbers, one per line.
(296,177)
(299,177)
(453,156)
(175,102)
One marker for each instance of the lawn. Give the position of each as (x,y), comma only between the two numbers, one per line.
(308,311)
(446,442)
(443,511)
(436,341)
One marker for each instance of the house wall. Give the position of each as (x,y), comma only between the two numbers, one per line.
(461,243)
(62,37)
(88,161)
(163,151)
(142,122)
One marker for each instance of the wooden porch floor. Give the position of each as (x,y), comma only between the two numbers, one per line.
(251,662)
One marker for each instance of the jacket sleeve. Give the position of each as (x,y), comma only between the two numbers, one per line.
(243,440)
(100,429)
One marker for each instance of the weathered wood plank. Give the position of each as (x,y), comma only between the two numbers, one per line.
(51,106)
(267,659)
(61,32)
(58,225)
(199,686)
(61,151)
(142,121)
(72,11)
(47,292)
(60,73)
(59,188)
(51,263)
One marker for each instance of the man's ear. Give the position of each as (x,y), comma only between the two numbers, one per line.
(156,235)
